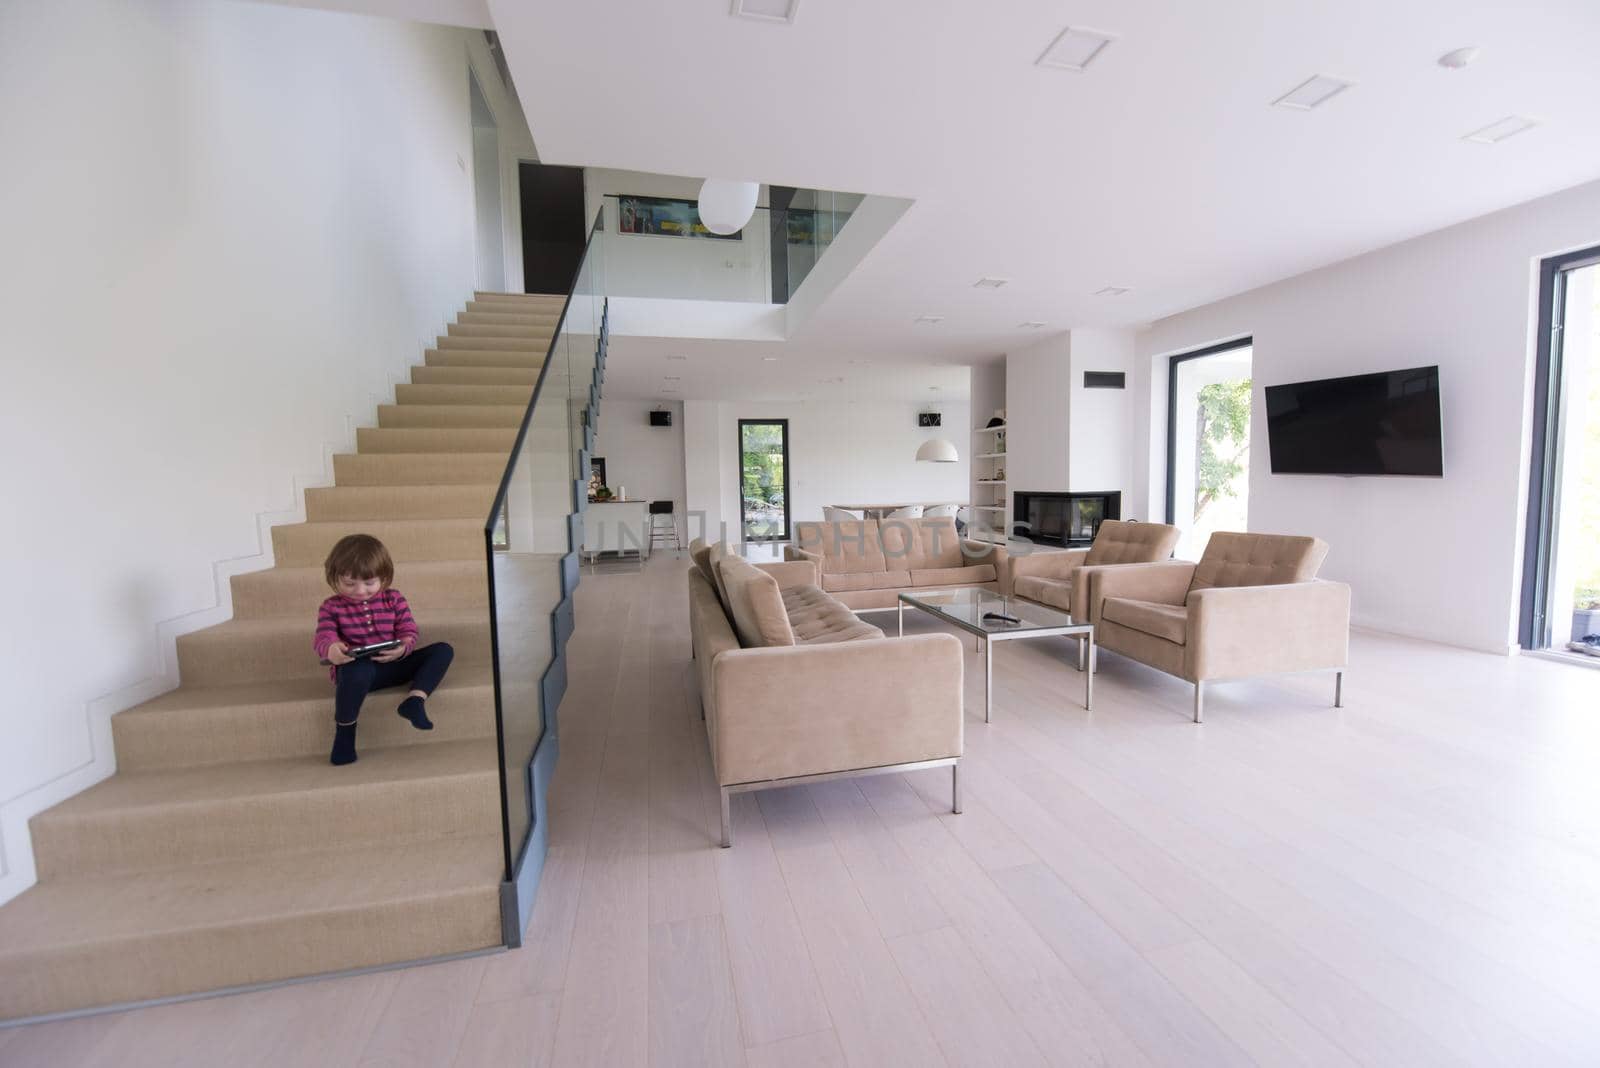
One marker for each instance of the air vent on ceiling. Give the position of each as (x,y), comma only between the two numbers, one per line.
(1496,132)
(766,10)
(1105,380)
(1112,291)
(1311,93)
(1074,49)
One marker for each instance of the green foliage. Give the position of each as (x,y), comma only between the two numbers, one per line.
(1222,440)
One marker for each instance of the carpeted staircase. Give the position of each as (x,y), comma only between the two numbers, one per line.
(226,850)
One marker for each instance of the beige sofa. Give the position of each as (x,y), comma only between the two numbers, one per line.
(795,688)
(1056,579)
(867,563)
(1252,606)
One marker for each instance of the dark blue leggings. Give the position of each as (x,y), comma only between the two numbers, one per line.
(423,668)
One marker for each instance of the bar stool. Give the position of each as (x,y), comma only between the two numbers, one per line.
(661,534)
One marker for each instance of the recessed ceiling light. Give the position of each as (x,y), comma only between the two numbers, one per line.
(769,359)
(677,357)
(1313,92)
(930,319)
(1113,291)
(1031,324)
(672,378)
(826,381)
(1496,132)
(766,10)
(989,283)
(1074,49)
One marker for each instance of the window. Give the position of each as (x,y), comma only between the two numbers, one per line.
(764,479)
(1561,570)
(1208,443)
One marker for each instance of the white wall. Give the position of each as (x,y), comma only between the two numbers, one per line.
(647,460)
(229,227)
(839,452)
(1434,558)
(1038,381)
(1101,420)
(655,265)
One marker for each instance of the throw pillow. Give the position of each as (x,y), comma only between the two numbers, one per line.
(756,603)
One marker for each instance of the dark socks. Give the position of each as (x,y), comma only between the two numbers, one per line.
(413,709)
(344,743)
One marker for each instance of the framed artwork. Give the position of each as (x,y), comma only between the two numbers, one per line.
(665,217)
(597,473)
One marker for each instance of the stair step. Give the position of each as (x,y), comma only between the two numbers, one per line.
(71,944)
(493,344)
(431,586)
(496,315)
(409,393)
(418,469)
(407,439)
(464,501)
(279,647)
(182,816)
(483,358)
(536,334)
(196,726)
(449,416)
(527,300)
(308,544)
(475,376)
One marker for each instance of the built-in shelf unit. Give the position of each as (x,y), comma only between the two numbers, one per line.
(989,503)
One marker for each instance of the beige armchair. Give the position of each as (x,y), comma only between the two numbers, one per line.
(1252,606)
(1052,578)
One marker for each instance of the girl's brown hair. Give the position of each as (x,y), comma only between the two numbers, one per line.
(360,556)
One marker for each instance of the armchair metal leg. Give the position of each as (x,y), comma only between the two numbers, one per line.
(1338,689)
(727,827)
(1199,701)
(955,789)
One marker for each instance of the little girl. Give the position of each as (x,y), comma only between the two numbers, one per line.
(365,611)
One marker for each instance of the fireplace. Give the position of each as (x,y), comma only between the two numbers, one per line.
(1068,519)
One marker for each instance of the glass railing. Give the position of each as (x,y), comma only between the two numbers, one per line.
(532,559)
(809,220)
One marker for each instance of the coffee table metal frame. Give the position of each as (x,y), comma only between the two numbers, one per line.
(1001,632)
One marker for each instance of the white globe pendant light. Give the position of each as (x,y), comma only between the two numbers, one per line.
(726,206)
(938,451)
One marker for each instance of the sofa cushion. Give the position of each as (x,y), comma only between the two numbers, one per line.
(1055,592)
(758,611)
(866,580)
(1257,560)
(700,553)
(915,544)
(817,618)
(714,557)
(845,547)
(950,576)
(1169,621)
(1121,542)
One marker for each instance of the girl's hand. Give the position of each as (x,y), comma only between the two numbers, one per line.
(337,655)
(392,655)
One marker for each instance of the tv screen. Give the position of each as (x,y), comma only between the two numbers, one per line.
(1380,424)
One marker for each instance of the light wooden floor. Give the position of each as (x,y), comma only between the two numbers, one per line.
(1412,880)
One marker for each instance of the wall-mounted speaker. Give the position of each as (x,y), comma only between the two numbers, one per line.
(929,419)
(660,418)
(1105,380)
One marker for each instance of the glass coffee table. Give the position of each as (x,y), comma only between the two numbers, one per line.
(983,614)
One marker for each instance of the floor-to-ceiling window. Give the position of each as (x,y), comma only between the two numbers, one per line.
(1561,582)
(764,479)
(1208,443)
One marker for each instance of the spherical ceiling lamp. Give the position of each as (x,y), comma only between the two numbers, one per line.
(726,206)
(938,451)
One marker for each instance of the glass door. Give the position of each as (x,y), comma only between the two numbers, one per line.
(1561,578)
(1208,443)
(764,479)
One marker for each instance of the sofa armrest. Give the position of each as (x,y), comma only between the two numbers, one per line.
(812,709)
(978,553)
(791,573)
(1048,564)
(1166,582)
(794,552)
(1261,630)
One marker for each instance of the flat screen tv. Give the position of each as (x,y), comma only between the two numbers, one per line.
(1379,424)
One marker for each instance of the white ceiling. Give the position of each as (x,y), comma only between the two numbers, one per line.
(1162,167)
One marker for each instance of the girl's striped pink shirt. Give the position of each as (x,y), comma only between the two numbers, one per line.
(384,618)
